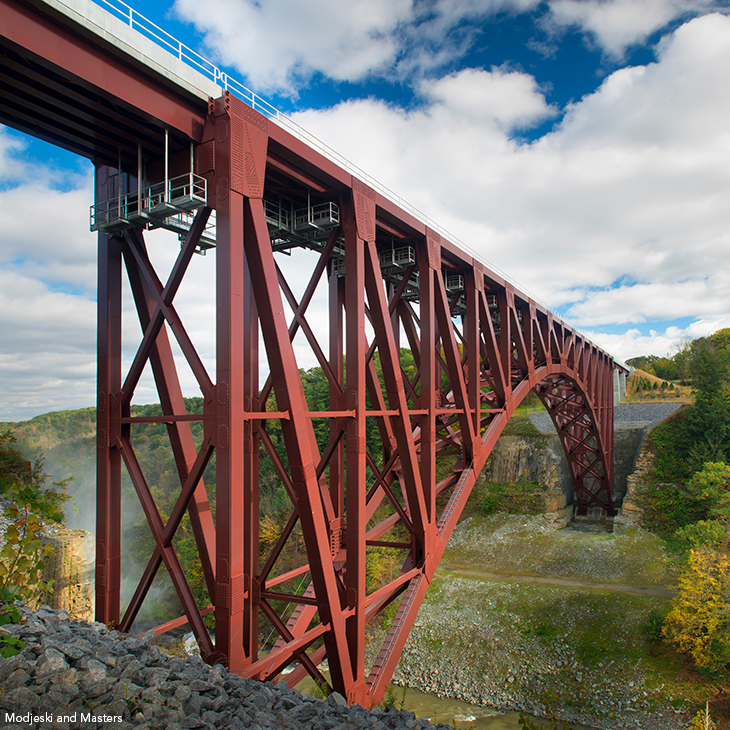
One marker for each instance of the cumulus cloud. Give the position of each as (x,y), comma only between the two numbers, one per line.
(48,344)
(662,342)
(615,25)
(10,145)
(55,247)
(275,42)
(625,200)
(48,279)
(280,44)
(648,302)
(510,100)
(619,215)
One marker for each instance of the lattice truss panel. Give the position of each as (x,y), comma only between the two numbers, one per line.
(427,356)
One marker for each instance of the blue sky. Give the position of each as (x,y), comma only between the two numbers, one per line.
(580,146)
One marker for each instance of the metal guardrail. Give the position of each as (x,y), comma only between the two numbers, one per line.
(187,55)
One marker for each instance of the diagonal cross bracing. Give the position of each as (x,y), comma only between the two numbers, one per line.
(374,497)
(375,470)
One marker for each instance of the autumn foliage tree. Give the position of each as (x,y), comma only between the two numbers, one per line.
(699,622)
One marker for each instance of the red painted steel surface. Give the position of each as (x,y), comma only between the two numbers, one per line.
(59,84)
(427,355)
(409,424)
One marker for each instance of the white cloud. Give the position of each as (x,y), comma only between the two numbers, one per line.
(280,44)
(48,279)
(631,187)
(46,234)
(618,24)
(10,144)
(619,215)
(274,42)
(49,341)
(655,302)
(511,100)
(663,343)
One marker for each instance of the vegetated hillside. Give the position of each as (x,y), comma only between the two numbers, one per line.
(68,441)
(674,368)
(642,387)
(686,501)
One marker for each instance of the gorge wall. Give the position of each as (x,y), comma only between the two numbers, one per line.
(541,459)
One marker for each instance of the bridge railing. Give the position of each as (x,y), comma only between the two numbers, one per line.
(192,58)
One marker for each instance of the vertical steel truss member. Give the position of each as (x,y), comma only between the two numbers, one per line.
(367,484)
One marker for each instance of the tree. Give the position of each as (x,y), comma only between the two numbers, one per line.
(712,485)
(681,357)
(699,622)
(708,365)
(702,720)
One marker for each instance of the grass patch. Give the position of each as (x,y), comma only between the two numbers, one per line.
(505,543)
(522,497)
(521,425)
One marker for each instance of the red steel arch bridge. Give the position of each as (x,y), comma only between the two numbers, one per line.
(392,460)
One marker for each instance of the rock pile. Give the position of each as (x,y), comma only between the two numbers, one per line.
(74,674)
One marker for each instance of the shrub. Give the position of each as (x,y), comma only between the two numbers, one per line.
(702,720)
(669,507)
(699,621)
(33,506)
(703,534)
(652,628)
(523,497)
(9,645)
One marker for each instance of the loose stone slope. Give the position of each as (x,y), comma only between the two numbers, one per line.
(516,646)
(92,677)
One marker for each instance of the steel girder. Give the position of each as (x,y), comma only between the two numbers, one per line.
(407,431)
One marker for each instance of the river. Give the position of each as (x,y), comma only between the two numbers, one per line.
(456,713)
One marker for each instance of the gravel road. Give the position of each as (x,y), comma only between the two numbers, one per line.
(648,414)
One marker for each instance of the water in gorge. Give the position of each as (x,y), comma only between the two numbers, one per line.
(458,714)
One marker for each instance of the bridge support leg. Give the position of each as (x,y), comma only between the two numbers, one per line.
(108,455)
(250,485)
(229,409)
(356,484)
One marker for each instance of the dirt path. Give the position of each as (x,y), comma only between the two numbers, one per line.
(446,567)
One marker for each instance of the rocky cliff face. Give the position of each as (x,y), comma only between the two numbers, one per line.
(627,443)
(536,459)
(541,459)
(71,568)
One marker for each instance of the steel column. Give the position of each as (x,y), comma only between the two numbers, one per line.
(108,456)
(230,394)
